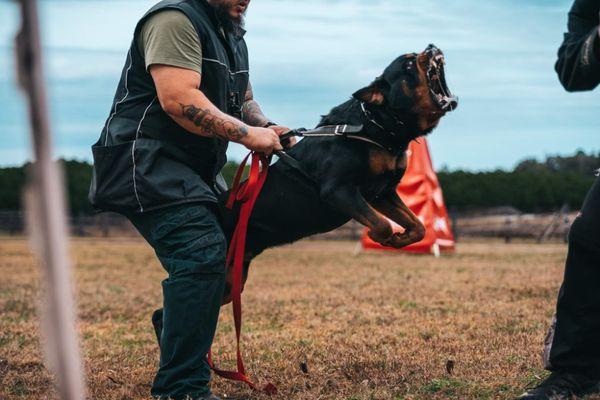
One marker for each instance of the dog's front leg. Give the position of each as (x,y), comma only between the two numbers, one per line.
(349,200)
(392,206)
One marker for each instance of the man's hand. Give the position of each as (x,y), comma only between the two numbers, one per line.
(263,140)
(280,130)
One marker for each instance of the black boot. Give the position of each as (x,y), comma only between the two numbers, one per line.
(562,386)
(157,323)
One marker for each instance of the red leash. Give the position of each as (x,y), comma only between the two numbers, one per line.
(246,194)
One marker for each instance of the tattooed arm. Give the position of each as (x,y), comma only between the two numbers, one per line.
(251,112)
(253,116)
(178,94)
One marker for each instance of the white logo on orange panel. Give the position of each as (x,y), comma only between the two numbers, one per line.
(441,225)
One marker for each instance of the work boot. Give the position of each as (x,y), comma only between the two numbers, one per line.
(562,386)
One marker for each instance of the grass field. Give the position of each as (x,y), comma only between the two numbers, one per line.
(320,322)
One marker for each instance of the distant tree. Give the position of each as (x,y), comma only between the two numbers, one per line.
(527,191)
(12,181)
(580,162)
(78,175)
(533,185)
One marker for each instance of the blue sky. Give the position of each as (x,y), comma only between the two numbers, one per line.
(308,56)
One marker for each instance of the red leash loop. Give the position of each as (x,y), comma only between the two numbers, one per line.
(246,194)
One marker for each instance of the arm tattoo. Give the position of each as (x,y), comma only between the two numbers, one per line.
(213,124)
(251,112)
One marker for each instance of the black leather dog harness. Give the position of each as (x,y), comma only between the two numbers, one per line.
(354,132)
(349,131)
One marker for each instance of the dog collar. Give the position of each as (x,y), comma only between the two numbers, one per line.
(388,137)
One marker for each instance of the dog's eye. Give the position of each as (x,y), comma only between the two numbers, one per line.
(409,65)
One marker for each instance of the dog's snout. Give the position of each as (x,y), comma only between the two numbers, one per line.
(433,52)
(452,105)
(432,48)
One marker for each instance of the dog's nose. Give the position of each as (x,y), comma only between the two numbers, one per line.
(452,104)
(432,50)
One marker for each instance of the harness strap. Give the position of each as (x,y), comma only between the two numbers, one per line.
(327,130)
(365,139)
(348,131)
(369,116)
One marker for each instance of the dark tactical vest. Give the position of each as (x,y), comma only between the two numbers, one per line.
(143,159)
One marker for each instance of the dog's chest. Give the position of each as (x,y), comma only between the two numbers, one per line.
(385,172)
(383,162)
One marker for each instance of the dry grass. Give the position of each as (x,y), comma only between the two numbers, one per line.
(372,326)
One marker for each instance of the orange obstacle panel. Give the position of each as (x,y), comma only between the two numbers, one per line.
(421,191)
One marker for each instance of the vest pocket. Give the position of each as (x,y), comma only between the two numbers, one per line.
(113,185)
(140,175)
(167,174)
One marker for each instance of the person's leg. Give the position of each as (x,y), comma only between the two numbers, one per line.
(576,343)
(191,247)
(573,355)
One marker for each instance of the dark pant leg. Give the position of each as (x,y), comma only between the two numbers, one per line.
(191,247)
(576,343)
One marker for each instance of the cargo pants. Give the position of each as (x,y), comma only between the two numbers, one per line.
(191,247)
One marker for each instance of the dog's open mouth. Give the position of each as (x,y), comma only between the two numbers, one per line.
(436,78)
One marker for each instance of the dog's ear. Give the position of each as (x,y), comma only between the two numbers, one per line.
(372,94)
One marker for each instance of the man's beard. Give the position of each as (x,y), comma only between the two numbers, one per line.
(229,24)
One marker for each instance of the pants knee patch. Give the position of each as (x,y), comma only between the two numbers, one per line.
(203,256)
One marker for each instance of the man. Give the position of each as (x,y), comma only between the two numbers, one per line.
(184,94)
(573,352)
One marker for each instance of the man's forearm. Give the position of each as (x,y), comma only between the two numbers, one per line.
(212,124)
(195,113)
(177,91)
(252,114)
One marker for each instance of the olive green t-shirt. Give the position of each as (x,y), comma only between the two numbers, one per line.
(168,37)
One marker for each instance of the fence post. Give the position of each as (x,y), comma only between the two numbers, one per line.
(47,217)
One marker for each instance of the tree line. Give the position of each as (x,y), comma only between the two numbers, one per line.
(532,186)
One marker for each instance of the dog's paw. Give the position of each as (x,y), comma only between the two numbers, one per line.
(398,240)
(381,234)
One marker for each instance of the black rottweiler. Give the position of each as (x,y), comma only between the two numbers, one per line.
(339,178)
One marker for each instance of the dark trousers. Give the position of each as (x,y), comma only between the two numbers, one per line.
(190,244)
(576,343)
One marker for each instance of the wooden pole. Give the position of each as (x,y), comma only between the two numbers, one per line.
(46,217)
